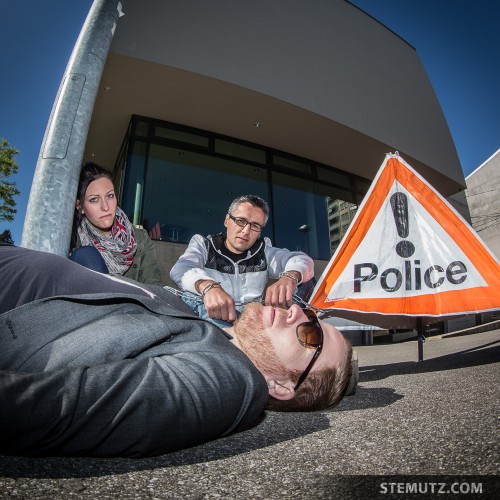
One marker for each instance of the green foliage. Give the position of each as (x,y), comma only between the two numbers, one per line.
(8,190)
(6,237)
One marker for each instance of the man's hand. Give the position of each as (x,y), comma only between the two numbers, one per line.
(281,293)
(218,304)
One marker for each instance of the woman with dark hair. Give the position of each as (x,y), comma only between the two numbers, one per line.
(103,237)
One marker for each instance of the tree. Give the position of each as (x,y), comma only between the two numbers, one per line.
(8,190)
(6,237)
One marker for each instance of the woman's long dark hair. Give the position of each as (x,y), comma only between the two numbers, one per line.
(89,173)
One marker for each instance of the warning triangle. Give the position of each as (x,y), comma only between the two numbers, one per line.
(408,254)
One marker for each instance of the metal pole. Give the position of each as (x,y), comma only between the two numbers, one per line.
(49,215)
(421,338)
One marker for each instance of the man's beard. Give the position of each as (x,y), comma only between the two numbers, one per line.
(254,342)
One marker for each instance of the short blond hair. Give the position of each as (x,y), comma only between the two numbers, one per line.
(321,390)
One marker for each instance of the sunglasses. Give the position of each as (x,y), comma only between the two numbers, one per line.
(310,336)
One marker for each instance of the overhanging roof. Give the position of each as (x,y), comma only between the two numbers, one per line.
(165,62)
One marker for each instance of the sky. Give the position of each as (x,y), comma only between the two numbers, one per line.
(458,42)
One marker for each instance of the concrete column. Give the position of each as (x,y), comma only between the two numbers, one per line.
(49,215)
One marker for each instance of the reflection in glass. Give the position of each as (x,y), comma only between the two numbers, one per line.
(300,216)
(176,192)
(188,193)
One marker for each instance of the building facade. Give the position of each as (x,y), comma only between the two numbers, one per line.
(483,199)
(295,101)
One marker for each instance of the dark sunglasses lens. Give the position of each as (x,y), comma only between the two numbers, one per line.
(309,335)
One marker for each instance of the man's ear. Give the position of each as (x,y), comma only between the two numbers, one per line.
(283,390)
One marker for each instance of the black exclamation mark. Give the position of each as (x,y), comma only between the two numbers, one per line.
(399,204)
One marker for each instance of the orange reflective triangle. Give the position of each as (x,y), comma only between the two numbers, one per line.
(408,253)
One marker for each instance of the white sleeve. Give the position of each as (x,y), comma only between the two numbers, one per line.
(190,267)
(281,259)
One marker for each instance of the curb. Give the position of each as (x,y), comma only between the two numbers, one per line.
(486,327)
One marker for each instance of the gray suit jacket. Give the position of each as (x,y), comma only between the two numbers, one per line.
(120,375)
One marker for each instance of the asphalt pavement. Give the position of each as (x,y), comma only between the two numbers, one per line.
(410,425)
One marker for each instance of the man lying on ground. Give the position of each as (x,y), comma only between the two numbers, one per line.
(95,365)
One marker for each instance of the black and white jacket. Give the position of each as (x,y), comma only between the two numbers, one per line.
(244,280)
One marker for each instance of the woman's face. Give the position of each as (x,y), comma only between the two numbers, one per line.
(99,204)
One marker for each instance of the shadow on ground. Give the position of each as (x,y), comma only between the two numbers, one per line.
(485,354)
(276,427)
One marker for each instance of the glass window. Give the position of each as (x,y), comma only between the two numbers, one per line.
(184,190)
(298,166)
(180,136)
(341,215)
(141,128)
(238,150)
(300,216)
(333,177)
(187,193)
(362,187)
(134,182)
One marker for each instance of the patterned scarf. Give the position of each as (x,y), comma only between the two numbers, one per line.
(119,249)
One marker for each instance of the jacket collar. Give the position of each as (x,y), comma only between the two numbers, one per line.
(218,240)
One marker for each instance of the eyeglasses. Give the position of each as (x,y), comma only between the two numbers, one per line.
(309,335)
(240,221)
